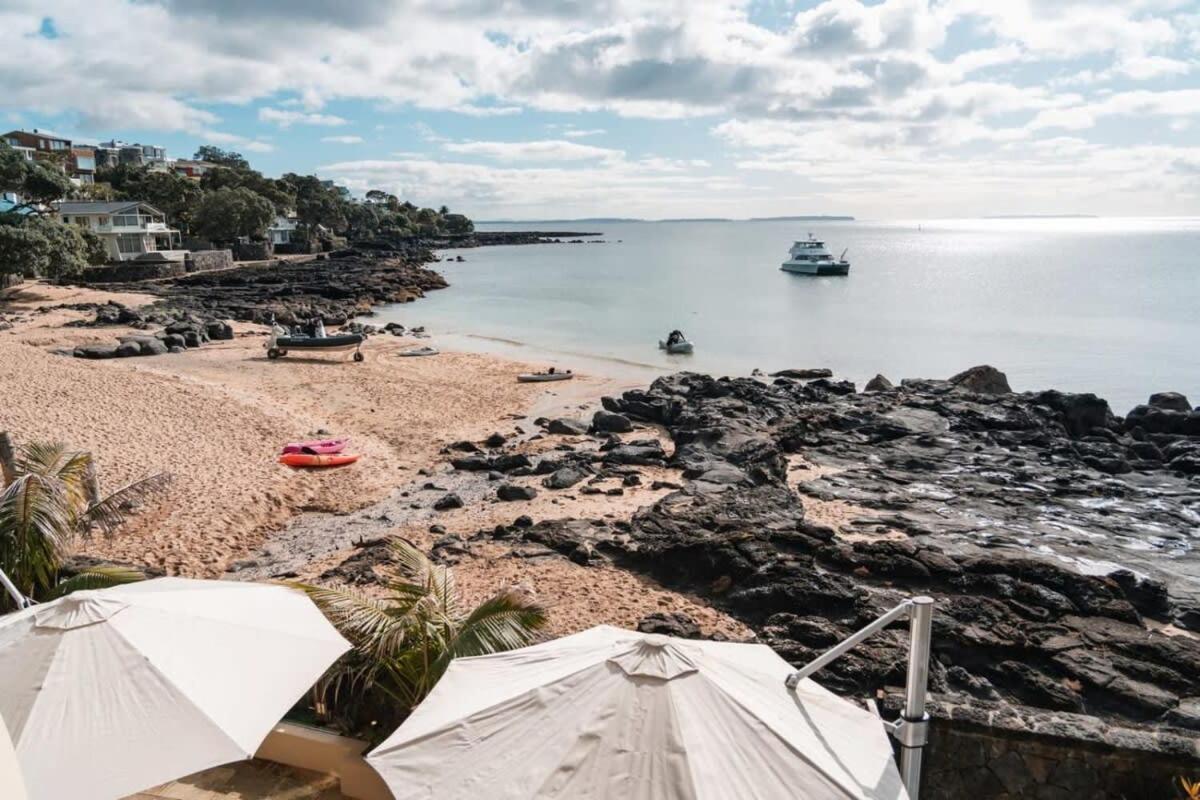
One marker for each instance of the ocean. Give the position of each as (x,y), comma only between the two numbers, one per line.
(1110,306)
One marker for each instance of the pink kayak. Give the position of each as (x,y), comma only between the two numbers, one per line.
(320,447)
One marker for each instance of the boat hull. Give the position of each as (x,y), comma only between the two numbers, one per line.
(545,377)
(677,349)
(315,460)
(816,268)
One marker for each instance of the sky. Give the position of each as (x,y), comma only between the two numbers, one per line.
(526,109)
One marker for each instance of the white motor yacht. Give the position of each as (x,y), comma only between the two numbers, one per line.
(809,257)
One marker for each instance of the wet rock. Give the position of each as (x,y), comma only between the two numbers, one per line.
(96,351)
(644,453)
(983,379)
(510,492)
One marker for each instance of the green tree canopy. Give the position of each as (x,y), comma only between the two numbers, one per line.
(226,215)
(278,192)
(37,183)
(224,158)
(36,246)
(316,203)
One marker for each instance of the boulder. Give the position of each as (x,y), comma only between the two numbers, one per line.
(609,422)
(153,347)
(510,492)
(878,384)
(448,501)
(565,426)
(173,340)
(564,478)
(495,440)
(1171,401)
(218,331)
(96,351)
(983,379)
(128,349)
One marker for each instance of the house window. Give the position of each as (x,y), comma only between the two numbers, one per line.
(126,221)
(129,243)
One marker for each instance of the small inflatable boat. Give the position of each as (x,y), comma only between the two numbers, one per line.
(420,351)
(678,348)
(545,377)
(280,344)
(319,447)
(317,460)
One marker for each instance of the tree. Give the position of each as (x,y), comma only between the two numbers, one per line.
(278,192)
(174,195)
(37,183)
(224,158)
(316,203)
(403,642)
(48,504)
(43,247)
(457,224)
(227,215)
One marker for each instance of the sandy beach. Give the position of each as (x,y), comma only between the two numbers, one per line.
(215,417)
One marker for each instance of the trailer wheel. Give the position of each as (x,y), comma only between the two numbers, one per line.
(358,356)
(274,352)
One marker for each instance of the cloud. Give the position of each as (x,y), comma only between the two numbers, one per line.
(285,118)
(544,150)
(576,133)
(342,139)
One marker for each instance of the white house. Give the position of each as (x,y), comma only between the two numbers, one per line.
(129,228)
(281,230)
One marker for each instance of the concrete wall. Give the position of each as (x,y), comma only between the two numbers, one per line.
(128,271)
(207,260)
(322,751)
(981,750)
(252,251)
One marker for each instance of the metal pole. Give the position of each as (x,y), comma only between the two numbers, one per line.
(920,632)
(21,600)
(843,647)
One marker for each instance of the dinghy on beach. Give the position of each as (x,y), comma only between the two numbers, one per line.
(420,351)
(545,377)
(316,460)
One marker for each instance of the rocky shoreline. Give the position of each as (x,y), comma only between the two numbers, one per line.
(996,504)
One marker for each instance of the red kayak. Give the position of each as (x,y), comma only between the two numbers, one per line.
(318,447)
(314,460)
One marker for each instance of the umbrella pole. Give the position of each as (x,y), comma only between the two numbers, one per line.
(911,731)
(21,600)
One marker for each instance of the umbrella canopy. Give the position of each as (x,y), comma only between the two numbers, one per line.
(610,713)
(12,787)
(110,692)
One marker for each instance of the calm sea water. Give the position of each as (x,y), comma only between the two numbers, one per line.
(1107,305)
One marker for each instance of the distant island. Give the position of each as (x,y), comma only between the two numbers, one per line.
(607,220)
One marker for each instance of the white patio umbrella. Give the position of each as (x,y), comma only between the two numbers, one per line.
(12,787)
(610,713)
(109,692)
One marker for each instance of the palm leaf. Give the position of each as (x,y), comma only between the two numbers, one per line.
(371,625)
(506,621)
(98,577)
(35,529)
(112,511)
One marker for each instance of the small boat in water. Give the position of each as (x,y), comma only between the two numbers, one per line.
(676,344)
(545,377)
(318,447)
(809,257)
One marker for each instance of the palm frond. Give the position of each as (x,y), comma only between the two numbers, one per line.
(35,529)
(505,621)
(112,511)
(98,577)
(371,625)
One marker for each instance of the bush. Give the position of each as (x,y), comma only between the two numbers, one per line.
(41,247)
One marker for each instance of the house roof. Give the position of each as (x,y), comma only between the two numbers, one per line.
(98,207)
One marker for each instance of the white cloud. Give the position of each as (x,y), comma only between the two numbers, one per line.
(576,133)
(285,118)
(342,139)
(544,150)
